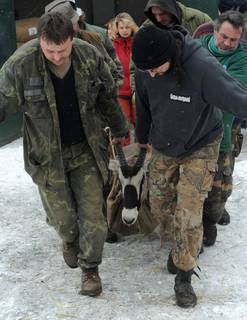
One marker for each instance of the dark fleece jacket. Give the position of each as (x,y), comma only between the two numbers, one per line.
(188,17)
(178,120)
(170,6)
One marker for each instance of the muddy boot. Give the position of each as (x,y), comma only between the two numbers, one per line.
(170,264)
(70,252)
(209,233)
(185,295)
(91,282)
(225,219)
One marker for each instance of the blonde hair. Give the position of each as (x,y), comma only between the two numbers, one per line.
(111,26)
(125,18)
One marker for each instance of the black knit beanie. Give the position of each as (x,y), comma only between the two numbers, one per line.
(152,47)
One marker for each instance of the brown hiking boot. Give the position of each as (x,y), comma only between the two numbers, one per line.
(91,282)
(185,294)
(70,252)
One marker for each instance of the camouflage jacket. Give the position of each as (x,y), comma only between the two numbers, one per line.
(116,71)
(192,18)
(25,85)
(103,35)
(108,45)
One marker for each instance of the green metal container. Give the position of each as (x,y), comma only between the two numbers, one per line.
(10,129)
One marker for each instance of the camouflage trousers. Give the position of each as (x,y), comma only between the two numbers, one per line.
(76,211)
(237,138)
(178,188)
(214,205)
(222,186)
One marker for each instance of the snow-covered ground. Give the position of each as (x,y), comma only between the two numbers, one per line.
(35,283)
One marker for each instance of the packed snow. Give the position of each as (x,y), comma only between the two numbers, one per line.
(35,283)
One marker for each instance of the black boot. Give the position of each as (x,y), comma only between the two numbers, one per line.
(209,232)
(170,264)
(112,237)
(201,250)
(225,218)
(185,295)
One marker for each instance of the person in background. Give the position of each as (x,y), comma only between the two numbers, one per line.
(81,14)
(166,14)
(111,29)
(125,29)
(225,45)
(170,14)
(223,6)
(102,33)
(176,114)
(237,137)
(66,92)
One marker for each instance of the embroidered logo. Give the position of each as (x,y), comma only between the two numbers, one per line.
(180,98)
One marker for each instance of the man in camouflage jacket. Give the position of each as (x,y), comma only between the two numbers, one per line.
(67,95)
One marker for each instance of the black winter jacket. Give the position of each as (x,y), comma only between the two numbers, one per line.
(178,120)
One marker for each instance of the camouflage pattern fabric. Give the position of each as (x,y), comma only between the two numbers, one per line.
(237,137)
(221,189)
(25,85)
(77,210)
(178,188)
(108,45)
(70,180)
(223,181)
(113,64)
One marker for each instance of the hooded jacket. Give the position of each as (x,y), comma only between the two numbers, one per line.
(116,71)
(188,17)
(178,120)
(208,28)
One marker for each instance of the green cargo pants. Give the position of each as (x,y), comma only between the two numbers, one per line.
(222,188)
(76,211)
(223,181)
(178,188)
